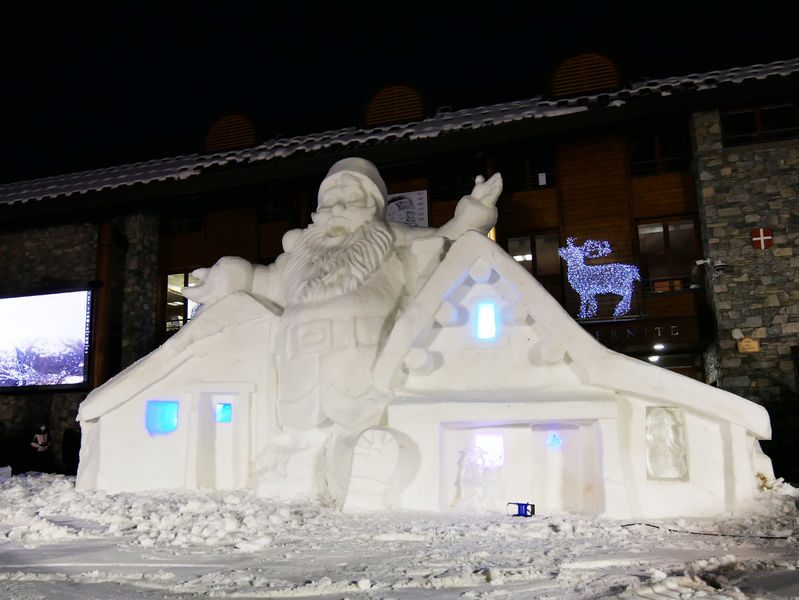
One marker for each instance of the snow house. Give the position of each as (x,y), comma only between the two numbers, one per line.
(496,395)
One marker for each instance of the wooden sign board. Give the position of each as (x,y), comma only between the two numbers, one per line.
(748,345)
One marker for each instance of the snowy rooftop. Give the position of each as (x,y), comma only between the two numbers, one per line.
(442,123)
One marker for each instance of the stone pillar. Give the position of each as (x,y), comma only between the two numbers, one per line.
(140,286)
(741,188)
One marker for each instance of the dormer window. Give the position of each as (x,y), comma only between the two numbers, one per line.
(486,320)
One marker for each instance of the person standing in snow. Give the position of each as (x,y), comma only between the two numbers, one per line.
(41,444)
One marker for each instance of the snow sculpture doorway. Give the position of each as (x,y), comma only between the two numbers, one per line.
(475,461)
(556,466)
(566,472)
(220,425)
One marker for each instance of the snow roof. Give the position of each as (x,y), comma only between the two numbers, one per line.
(596,365)
(235,310)
(440,124)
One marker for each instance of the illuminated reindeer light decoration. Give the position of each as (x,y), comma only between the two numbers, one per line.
(591,280)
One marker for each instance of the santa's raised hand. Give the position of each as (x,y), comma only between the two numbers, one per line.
(487,192)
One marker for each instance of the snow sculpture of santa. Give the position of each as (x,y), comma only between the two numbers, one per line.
(339,284)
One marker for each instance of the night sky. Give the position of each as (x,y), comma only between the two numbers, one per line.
(85,89)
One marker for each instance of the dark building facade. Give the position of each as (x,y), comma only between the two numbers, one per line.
(692,179)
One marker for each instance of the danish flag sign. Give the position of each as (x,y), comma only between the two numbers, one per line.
(762,238)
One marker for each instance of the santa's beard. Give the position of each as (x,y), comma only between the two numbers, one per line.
(322,267)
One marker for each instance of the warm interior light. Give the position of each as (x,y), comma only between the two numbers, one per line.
(492,235)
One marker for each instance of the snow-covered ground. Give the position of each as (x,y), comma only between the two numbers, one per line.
(56,542)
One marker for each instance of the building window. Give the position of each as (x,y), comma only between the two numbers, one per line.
(187,220)
(659,147)
(272,209)
(179,310)
(538,253)
(668,251)
(528,168)
(761,124)
(453,177)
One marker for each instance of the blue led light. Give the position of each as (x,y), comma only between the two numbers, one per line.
(486,321)
(224,412)
(591,280)
(161,416)
(554,441)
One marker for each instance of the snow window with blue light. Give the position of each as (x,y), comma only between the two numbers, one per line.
(161,416)
(224,412)
(486,321)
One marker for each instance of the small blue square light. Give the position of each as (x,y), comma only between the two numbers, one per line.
(224,412)
(161,416)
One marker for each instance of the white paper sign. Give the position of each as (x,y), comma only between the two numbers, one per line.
(408,207)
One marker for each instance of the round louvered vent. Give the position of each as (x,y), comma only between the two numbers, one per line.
(394,104)
(585,74)
(229,133)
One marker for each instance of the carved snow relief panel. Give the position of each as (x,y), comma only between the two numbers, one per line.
(666,452)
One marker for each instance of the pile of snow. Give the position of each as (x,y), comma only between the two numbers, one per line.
(33,509)
(234,544)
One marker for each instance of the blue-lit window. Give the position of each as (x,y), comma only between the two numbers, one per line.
(224,412)
(554,441)
(161,416)
(486,321)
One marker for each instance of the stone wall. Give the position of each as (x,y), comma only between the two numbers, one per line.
(47,257)
(35,260)
(63,256)
(742,188)
(140,286)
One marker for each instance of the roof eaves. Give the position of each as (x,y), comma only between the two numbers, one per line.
(441,124)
